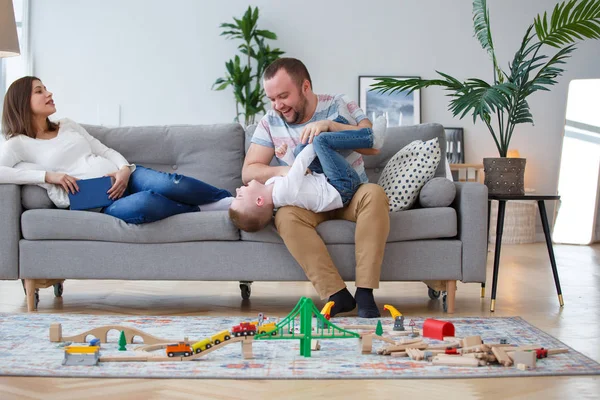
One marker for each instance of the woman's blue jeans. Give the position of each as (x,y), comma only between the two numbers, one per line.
(153,195)
(336,168)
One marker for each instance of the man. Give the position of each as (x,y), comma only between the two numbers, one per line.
(297,116)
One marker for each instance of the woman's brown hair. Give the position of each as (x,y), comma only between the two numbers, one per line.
(17,117)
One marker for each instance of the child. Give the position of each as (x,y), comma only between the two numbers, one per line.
(329,184)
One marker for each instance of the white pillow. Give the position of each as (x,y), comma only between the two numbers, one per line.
(408,171)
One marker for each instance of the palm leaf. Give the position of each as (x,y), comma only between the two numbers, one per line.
(571,21)
(483,33)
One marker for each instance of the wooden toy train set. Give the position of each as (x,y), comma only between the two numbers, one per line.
(298,325)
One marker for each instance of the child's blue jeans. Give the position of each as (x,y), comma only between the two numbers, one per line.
(153,195)
(336,168)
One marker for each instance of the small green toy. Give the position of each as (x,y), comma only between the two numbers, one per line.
(122,342)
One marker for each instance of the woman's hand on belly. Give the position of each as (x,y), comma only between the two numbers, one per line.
(121,180)
(67,182)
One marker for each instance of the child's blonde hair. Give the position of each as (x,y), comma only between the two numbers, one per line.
(251,221)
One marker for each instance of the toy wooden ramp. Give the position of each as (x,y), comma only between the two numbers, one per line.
(219,346)
(102,334)
(303,330)
(246,342)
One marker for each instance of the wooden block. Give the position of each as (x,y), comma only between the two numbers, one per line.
(443,346)
(501,356)
(55,332)
(384,339)
(456,361)
(471,341)
(247,349)
(403,347)
(524,357)
(557,351)
(366,344)
(476,349)
(315,345)
(522,367)
(399,354)
(409,341)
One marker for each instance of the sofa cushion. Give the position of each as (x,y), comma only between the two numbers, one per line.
(85,225)
(398,137)
(33,197)
(423,223)
(408,171)
(438,192)
(211,153)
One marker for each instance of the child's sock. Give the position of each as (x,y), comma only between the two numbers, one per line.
(379,128)
(219,205)
(344,302)
(366,303)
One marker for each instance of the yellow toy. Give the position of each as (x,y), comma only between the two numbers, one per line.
(202,345)
(82,349)
(397,316)
(269,327)
(221,337)
(326,311)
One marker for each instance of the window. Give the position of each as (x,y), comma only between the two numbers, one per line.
(12,68)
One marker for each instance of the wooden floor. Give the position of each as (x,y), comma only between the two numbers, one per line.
(526,289)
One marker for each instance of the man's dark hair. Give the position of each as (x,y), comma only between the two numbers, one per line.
(294,67)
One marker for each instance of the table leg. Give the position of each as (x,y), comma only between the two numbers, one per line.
(499,229)
(487,243)
(546,226)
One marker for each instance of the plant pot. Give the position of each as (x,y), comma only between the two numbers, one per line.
(504,175)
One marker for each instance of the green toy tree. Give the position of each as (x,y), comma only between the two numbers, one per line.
(379,329)
(122,342)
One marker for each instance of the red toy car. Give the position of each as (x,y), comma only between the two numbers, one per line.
(244,329)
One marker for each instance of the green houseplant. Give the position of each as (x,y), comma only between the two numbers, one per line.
(245,77)
(502,104)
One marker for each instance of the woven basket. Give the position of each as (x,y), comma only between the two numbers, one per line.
(519,222)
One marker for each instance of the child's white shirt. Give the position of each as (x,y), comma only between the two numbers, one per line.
(308,191)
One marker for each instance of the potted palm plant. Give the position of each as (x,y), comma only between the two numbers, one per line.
(241,76)
(502,104)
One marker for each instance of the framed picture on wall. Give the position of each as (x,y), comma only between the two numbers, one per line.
(400,108)
(455,148)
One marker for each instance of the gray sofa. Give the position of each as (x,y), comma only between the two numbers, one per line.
(43,245)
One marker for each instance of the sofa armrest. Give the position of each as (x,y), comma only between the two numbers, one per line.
(10,231)
(471,204)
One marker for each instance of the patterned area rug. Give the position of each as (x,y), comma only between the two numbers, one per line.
(25,350)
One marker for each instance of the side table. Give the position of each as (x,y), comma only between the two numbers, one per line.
(502,199)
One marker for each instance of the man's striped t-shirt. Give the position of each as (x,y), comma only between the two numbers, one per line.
(273,131)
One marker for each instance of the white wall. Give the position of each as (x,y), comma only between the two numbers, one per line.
(156,60)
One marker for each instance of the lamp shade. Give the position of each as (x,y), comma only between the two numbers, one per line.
(9,41)
(513,153)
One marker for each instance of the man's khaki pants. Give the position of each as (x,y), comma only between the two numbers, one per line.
(369,208)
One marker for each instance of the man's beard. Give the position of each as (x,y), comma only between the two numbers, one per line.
(298,113)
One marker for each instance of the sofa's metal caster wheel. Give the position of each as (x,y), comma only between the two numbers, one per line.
(245,289)
(58,289)
(444,302)
(433,294)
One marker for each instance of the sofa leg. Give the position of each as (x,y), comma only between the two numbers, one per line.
(30,289)
(450,295)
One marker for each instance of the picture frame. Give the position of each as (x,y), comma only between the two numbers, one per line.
(401,109)
(455,145)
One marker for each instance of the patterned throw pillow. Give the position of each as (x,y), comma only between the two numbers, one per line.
(408,170)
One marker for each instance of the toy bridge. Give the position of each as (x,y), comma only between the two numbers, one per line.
(288,328)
